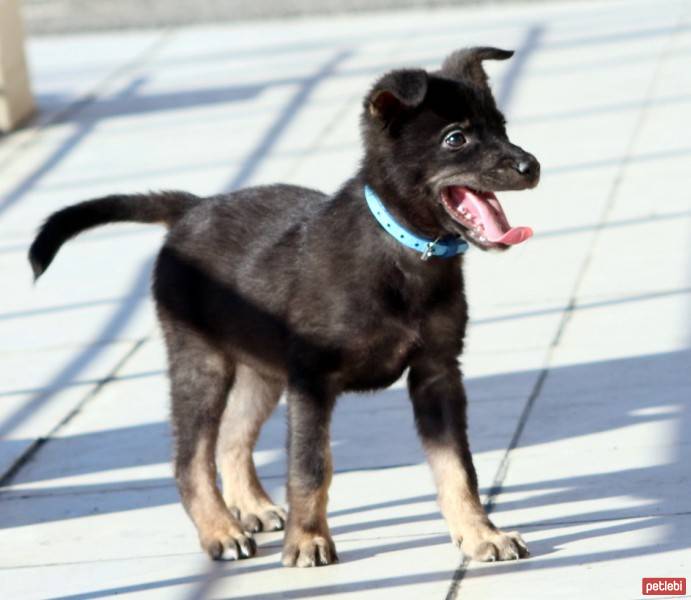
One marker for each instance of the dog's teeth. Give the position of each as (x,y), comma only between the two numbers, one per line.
(483,238)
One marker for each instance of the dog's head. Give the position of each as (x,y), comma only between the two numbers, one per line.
(436,144)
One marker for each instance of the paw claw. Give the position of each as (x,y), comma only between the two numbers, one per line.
(251,523)
(485,551)
(289,557)
(306,559)
(272,519)
(490,545)
(231,552)
(248,547)
(230,545)
(311,551)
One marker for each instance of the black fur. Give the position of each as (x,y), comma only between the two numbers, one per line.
(309,290)
(161,207)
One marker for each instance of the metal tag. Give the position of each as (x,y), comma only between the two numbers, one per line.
(429,251)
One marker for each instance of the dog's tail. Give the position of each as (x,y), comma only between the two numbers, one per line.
(157,207)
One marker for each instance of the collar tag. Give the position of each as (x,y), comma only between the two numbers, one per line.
(429,251)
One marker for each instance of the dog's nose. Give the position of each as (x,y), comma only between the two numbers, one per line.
(528,167)
(523,167)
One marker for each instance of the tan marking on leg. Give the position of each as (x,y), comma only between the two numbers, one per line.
(308,542)
(252,400)
(220,534)
(203,497)
(469,525)
(458,501)
(308,507)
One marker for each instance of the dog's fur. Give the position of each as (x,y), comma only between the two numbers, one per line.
(283,288)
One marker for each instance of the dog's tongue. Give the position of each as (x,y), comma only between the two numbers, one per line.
(486,209)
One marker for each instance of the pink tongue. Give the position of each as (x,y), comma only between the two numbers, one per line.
(486,208)
(515,235)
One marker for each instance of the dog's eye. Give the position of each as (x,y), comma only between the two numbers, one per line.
(454,139)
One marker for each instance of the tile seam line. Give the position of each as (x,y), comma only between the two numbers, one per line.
(502,470)
(36,128)
(30,452)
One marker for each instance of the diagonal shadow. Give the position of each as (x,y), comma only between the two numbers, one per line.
(136,294)
(517,66)
(81,132)
(296,103)
(70,456)
(661,499)
(81,361)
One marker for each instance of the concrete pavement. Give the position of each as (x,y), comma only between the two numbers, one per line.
(579,350)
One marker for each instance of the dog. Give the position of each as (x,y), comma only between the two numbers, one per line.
(279,289)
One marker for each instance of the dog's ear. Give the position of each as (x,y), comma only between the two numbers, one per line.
(467,63)
(397,91)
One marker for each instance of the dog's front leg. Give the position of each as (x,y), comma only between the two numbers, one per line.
(308,542)
(439,402)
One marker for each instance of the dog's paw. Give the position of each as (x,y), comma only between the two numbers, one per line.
(309,550)
(229,543)
(488,545)
(272,518)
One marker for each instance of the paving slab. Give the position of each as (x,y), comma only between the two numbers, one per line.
(579,345)
(604,559)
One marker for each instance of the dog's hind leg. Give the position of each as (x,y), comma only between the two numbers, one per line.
(252,400)
(200,380)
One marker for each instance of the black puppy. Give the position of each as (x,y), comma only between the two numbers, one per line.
(283,288)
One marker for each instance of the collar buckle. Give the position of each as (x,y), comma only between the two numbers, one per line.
(429,251)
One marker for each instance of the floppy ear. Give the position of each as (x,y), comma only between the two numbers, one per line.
(467,63)
(395,92)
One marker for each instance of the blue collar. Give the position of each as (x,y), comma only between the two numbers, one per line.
(446,247)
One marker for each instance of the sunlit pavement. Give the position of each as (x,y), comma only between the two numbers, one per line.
(578,361)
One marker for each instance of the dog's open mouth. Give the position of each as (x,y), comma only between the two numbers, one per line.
(482,217)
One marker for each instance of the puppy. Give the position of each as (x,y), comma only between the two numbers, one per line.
(282,288)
